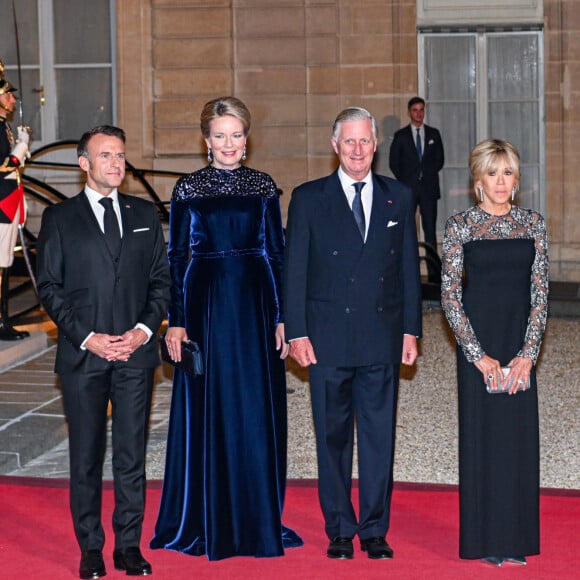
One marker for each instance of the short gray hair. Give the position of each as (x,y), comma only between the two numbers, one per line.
(353,114)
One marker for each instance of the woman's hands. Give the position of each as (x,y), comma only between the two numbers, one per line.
(173,338)
(519,374)
(281,343)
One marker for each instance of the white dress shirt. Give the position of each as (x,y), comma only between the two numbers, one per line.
(366,194)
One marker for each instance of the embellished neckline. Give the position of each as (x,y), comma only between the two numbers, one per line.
(493,215)
(223,169)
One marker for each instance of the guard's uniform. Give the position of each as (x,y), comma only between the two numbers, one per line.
(13,153)
(12,205)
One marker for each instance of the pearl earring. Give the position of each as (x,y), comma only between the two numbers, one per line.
(244,154)
(209,158)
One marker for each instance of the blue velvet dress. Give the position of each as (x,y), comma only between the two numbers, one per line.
(225,471)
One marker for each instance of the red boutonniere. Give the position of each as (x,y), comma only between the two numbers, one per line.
(389,201)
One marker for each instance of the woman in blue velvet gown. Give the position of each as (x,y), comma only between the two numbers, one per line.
(225,472)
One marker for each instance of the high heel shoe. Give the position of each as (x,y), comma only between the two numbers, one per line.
(520,560)
(493,560)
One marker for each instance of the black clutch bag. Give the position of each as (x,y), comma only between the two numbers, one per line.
(191,359)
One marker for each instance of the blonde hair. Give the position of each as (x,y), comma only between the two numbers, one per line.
(486,155)
(220,108)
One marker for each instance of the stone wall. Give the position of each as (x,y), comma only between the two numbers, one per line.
(296,63)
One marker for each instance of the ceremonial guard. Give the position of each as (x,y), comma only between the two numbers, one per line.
(13,152)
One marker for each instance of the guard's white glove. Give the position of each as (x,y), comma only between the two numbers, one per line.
(23,134)
(20,151)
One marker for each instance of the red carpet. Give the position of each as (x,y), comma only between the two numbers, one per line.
(37,540)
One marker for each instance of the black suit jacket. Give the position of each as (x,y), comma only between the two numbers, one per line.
(84,289)
(353,300)
(422,177)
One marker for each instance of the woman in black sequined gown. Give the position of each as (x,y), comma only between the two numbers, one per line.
(225,472)
(498,313)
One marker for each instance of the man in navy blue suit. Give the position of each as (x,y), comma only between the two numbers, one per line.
(416,157)
(353,314)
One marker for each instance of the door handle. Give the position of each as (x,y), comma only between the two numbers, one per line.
(40,91)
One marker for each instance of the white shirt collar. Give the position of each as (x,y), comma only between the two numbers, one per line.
(95,196)
(347,182)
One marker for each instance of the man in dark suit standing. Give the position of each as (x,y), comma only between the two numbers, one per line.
(353,314)
(103,278)
(416,157)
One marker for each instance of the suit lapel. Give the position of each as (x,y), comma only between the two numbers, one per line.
(89,220)
(384,211)
(336,206)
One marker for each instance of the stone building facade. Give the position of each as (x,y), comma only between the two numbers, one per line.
(296,63)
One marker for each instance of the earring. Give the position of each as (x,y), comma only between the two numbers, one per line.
(244,154)
(209,158)
(481,194)
(514,191)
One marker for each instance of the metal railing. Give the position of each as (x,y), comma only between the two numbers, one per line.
(46,194)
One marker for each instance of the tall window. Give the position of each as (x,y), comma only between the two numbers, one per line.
(67,55)
(481,85)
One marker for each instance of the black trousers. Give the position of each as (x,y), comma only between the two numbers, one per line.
(86,398)
(341,396)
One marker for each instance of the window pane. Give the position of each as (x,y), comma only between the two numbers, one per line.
(77,115)
(513,67)
(31,106)
(81,31)
(27,22)
(529,187)
(456,184)
(450,67)
(457,124)
(517,123)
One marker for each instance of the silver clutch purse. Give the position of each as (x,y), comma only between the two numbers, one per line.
(504,385)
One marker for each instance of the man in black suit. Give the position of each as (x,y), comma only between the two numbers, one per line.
(353,314)
(103,278)
(416,157)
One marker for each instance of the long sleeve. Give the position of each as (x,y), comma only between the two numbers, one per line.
(275,247)
(50,275)
(179,256)
(539,285)
(452,291)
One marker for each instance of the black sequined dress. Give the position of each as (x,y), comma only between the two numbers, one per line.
(499,308)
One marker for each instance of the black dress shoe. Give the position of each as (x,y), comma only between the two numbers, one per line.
(131,560)
(376,548)
(8,332)
(92,565)
(340,549)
